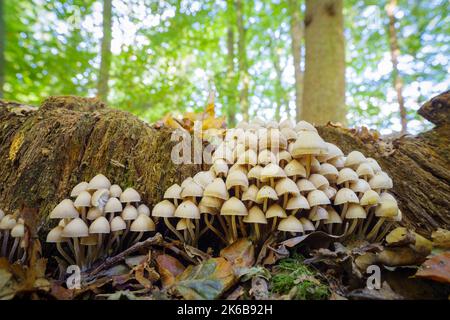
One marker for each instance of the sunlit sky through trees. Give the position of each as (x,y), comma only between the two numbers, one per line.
(167,55)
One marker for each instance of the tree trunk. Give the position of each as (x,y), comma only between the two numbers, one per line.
(46,152)
(242,57)
(296,38)
(105,63)
(231,90)
(395,52)
(324,82)
(2,47)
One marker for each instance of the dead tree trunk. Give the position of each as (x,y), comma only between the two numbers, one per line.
(45,152)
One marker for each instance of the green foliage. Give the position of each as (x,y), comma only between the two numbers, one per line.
(300,281)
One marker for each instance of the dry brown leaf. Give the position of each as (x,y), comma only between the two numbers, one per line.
(436,268)
(169,268)
(441,238)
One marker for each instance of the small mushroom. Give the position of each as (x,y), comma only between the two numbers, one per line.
(286,187)
(129,195)
(319,181)
(308,145)
(256,217)
(75,229)
(294,169)
(356,213)
(387,208)
(100,197)
(307,225)
(173,193)
(82,202)
(297,203)
(305,186)
(346,176)
(271,172)
(82,186)
(354,159)
(17,233)
(142,224)
(6,224)
(317,215)
(143,209)
(99,182)
(265,194)
(99,227)
(250,195)
(166,209)
(112,207)
(333,218)
(254,175)
(115,191)
(188,210)
(55,236)
(238,181)
(231,208)
(64,210)
(274,212)
(290,224)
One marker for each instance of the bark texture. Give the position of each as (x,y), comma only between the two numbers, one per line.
(46,152)
(105,63)
(324,80)
(242,57)
(419,165)
(2,47)
(296,39)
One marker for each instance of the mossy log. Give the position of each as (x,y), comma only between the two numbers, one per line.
(45,152)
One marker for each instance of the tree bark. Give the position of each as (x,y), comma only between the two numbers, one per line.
(278,87)
(231,90)
(395,52)
(44,153)
(243,63)
(296,38)
(2,47)
(324,82)
(105,63)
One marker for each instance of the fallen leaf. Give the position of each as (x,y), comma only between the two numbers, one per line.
(260,288)
(436,268)
(206,281)
(384,293)
(241,254)
(169,268)
(441,238)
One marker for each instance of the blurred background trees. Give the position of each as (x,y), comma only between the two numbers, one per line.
(274,59)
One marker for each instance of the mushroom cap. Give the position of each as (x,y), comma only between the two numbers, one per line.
(129,212)
(187,209)
(217,189)
(297,202)
(220,167)
(289,134)
(83,200)
(100,197)
(93,213)
(329,171)
(365,169)
(346,174)
(308,143)
(330,192)
(99,182)
(249,140)
(333,216)
(304,185)
(354,158)
(255,215)
(374,164)
(360,185)
(286,123)
(224,152)
(319,181)
(143,209)
(283,156)
(275,210)
(82,186)
(290,224)
(76,228)
(237,151)
(207,210)
(272,139)
(333,153)
(305,126)
(307,224)
(164,209)
(355,211)
(286,186)
(249,157)
(380,181)
(118,224)
(18,231)
(238,167)
(62,223)
(184,223)
(266,192)
(251,194)
(203,178)
(173,192)
(191,189)
(8,222)
(233,207)
(255,173)
(272,170)
(142,223)
(130,195)
(315,164)
(90,240)
(318,214)
(64,210)
(317,198)
(345,195)
(100,225)
(115,191)
(237,179)
(387,206)
(370,198)
(242,125)
(338,162)
(295,168)
(55,235)
(396,218)
(266,156)
(211,202)
(113,205)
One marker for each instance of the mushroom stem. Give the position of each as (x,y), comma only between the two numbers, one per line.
(343,212)
(308,165)
(138,237)
(172,228)
(191,233)
(175,201)
(236,191)
(347,184)
(330,228)
(98,251)
(197,231)
(285,200)
(317,225)
(234,228)
(5,243)
(352,227)
(76,247)
(368,222)
(242,227)
(257,233)
(223,225)
(272,182)
(274,223)
(376,227)
(64,254)
(387,228)
(213,229)
(13,249)
(265,205)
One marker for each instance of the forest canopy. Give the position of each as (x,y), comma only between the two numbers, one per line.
(152,57)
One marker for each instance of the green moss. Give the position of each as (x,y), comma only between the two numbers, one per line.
(300,281)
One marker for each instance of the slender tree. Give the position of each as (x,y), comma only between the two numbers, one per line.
(2,47)
(395,52)
(105,63)
(231,107)
(244,77)
(296,39)
(324,82)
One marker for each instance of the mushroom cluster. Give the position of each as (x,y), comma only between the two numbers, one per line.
(280,176)
(100,221)
(13,242)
